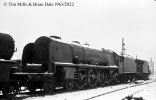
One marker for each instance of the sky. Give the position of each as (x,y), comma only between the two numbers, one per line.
(101,23)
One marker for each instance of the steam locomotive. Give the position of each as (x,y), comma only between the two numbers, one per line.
(7,84)
(50,62)
(74,65)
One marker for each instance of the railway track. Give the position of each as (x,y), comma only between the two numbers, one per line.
(128,97)
(90,94)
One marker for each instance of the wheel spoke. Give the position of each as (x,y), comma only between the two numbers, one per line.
(68,85)
(11,90)
(102,78)
(49,86)
(82,78)
(92,79)
(30,86)
(80,83)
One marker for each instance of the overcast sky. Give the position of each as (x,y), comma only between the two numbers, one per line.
(101,23)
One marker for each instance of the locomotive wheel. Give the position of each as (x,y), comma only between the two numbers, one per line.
(125,78)
(102,78)
(131,78)
(81,81)
(92,79)
(11,90)
(31,87)
(68,85)
(121,79)
(80,84)
(134,78)
(49,86)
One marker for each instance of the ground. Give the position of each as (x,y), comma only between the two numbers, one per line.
(112,92)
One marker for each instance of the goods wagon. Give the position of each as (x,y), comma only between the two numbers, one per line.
(142,69)
(146,71)
(129,65)
(139,66)
(127,68)
(145,67)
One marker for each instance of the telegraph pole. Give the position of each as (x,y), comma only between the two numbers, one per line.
(123,47)
(122,54)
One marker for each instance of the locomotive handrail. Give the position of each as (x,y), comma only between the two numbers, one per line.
(84,65)
(56,37)
(34,64)
(11,61)
(22,73)
(76,42)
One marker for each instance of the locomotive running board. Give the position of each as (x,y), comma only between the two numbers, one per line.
(84,65)
(33,65)
(21,73)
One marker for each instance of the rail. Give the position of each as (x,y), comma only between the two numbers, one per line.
(93,97)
